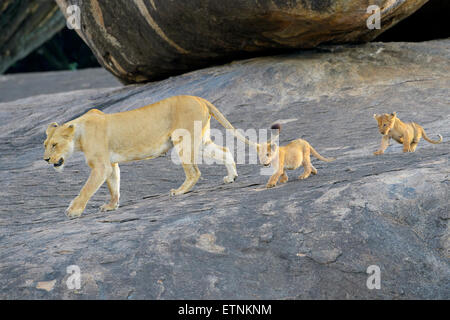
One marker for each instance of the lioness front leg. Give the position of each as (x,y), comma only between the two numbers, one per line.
(98,175)
(384,145)
(113,182)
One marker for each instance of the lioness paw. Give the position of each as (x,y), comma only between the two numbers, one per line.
(73,213)
(229,179)
(270,185)
(109,207)
(378,153)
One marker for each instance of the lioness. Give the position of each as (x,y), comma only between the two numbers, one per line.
(290,157)
(407,134)
(144,133)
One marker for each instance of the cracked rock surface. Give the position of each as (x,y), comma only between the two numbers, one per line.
(305,239)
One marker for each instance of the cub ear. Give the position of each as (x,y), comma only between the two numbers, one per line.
(375,116)
(51,128)
(393,114)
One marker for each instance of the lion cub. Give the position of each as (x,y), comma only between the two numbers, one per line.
(407,134)
(290,157)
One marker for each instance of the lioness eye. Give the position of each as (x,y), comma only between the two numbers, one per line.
(54,145)
(268,154)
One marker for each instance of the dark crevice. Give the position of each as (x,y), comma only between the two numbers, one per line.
(428,23)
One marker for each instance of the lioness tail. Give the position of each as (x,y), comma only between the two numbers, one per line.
(318,156)
(224,122)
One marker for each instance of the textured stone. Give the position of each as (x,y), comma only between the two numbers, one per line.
(302,240)
(25,25)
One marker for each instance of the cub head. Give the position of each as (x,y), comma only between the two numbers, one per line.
(59,144)
(385,122)
(269,150)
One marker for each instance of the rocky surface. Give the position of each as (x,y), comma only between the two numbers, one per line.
(22,85)
(301,240)
(154,39)
(25,25)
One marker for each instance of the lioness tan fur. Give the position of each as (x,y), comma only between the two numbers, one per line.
(145,133)
(288,157)
(408,134)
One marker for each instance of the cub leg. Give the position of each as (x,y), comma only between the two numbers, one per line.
(384,145)
(284,177)
(417,135)
(279,171)
(308,168)
(113,182)
(221,155)
(407,143)
(99,172)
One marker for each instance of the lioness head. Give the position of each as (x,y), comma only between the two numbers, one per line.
(385,122)
(59,144)
(269,150)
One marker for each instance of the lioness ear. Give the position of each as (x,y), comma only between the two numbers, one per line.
(375,116)
(68,132)
(393,114)
(51,128)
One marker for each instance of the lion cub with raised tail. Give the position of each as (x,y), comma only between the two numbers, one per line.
(288,157)
(407,134)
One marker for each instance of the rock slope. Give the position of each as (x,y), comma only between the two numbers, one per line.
(302,240)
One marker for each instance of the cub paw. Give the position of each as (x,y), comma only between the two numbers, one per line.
(270,185)
(378,153)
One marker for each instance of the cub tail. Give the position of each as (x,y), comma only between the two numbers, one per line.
(424,135)
(318,156)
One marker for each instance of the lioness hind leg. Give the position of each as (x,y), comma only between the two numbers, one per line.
(313,170)
(188,152)
(223,156)
(113,182)
(192,175)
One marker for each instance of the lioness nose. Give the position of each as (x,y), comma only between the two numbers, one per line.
(47,159)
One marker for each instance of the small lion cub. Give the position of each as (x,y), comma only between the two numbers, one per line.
(290,157)
(407,134)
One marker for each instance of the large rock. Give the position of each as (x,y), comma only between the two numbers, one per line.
(304,239)
(25,25)
(154,39)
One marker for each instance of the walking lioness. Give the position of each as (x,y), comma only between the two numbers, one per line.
(144,133)
(288,157)
(408,134)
